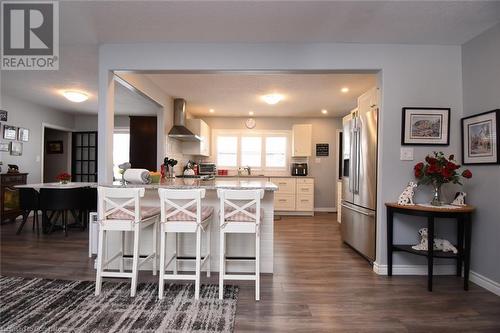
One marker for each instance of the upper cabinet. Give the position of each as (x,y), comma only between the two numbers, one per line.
(201,148)
(301,140)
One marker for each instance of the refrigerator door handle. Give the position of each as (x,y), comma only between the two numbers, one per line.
(345,205)
(358,150)
(352,161)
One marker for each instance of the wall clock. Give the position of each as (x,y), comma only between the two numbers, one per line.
(250,123)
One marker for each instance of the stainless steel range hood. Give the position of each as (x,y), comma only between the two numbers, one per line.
(179,130)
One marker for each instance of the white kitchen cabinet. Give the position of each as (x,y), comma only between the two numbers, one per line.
(294,195)
(201,148)
(301,140)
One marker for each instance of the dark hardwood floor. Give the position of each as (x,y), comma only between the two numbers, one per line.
(319,285)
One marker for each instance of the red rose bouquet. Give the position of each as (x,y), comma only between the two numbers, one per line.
(438,170)
(63,177)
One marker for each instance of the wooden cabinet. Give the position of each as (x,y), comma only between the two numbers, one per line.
(201,148)
(301,140)
(294,195)
(9,195)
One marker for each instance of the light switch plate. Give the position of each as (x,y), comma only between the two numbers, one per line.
(317,160)
(406,154)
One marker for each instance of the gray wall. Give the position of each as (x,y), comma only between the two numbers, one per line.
(89,122)
(31,116)
(481,92)
(54,164)
(324,131)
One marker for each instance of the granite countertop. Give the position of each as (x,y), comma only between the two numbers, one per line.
(187,183)
(263,176)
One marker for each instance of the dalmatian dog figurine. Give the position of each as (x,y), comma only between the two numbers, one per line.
(439,244)
(406,198)
(459,199)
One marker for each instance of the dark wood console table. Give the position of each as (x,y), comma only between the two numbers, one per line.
(463,216)
(9,195)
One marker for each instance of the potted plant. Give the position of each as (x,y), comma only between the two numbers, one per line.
(63,177)
(437,170)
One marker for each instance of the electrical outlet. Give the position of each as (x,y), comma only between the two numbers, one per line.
(406,154)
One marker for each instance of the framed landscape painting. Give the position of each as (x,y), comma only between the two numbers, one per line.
(480,138)
(425,126)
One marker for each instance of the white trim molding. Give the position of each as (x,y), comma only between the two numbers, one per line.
(474,277)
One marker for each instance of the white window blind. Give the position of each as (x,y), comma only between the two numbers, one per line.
(227,151)
(251,151)
(276,147)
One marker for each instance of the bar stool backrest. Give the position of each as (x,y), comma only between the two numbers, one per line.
(240,203)
(173,202)
(112,200)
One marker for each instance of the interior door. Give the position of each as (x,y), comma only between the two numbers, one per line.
(84,157)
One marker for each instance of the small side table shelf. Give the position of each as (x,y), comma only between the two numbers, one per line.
(463,217)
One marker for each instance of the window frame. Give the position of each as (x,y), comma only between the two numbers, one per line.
(253,133)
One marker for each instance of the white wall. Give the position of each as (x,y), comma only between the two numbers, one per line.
(54,164)
(26,114)
(412,75)
(481,89)
(324,131)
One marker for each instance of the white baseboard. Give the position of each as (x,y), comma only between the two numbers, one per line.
(414,269)
(484,282)
(474,277)
(326,209)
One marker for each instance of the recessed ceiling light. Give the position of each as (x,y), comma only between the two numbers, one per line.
(344,90)
(211,110)
(250,113)
(324,111)
(272,98)
(75,96)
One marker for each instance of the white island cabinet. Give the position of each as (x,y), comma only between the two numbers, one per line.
(238,245)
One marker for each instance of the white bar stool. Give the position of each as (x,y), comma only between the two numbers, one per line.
(119,209)
(240,212)
(182,212)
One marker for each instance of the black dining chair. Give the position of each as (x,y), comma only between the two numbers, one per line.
(88,195)
(29,200)
(59,202)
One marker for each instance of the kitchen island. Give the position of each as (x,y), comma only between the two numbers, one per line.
(238,245)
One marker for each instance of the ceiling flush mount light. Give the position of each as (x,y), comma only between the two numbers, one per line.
(75,96)
(211,110)
(250,113)
(324,111)
(272,99)
(344,90)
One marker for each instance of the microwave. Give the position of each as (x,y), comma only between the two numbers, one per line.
(207,169)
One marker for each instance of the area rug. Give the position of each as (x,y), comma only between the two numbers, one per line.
(40,305)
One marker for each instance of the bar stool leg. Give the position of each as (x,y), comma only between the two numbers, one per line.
(155,246)
(222,264)
(198,265)
(161,282)
(135,260)
(209,256)
(257,267)
(176,253)
(98,279)
(122,249)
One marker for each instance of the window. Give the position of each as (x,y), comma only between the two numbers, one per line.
(251,147)
(256,149)
(121,146)
(227,151)
(276,152)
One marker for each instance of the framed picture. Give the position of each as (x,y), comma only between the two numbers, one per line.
(480,138)
(16,148)
(425,126)
(54,147)
(4,146)
(9,132)
(23,134)
(3,115)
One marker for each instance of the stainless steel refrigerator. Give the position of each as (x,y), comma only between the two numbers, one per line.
(359,176)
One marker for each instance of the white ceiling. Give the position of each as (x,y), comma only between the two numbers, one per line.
(233,94)
(86,24)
